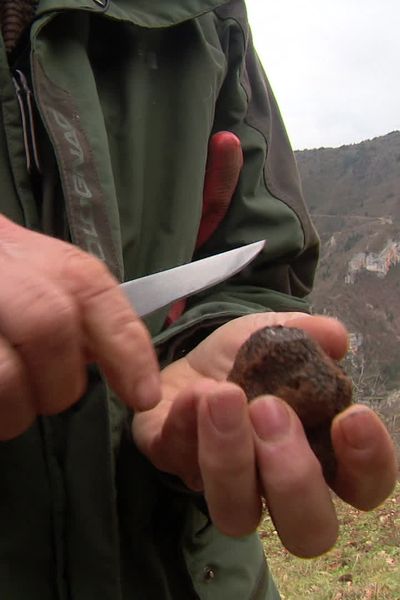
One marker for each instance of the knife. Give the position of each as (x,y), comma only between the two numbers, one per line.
(148,294)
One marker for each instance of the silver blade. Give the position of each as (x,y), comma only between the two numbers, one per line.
(152,292)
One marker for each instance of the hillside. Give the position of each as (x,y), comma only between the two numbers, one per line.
(353,193)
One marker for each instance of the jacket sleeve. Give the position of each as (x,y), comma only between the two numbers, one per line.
(268,202)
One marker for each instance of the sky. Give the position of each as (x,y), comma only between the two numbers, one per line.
(334,66)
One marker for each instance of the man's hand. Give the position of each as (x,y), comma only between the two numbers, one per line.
(205,432)
(59,310)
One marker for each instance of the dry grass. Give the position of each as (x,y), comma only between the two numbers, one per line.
(364,564)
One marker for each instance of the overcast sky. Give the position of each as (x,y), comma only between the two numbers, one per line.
(334,66)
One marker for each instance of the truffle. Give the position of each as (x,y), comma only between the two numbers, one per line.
(287,363)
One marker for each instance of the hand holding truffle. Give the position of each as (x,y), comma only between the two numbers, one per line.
(239,449)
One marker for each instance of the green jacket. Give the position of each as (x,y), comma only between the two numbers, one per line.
(128,93)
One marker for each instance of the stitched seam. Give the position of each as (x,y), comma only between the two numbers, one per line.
(284,198)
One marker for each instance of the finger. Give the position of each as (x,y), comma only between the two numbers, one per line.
(227,461)
(43,329)
(168,436)
(178,441)
(224,163)
(17,411)
(291,478)
(367,466)
(115,335)
(330,333)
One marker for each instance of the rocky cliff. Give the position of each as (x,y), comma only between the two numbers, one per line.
(353,193)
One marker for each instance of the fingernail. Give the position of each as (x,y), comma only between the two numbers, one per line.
(196,484)
(358,428)
(226,412)
(270,418)
(148,392)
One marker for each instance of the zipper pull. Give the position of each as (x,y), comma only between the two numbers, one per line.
(25,101)
(24,127)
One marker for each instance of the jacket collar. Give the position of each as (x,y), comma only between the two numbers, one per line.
(146,13)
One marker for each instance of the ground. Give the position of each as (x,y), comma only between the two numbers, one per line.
(364,564)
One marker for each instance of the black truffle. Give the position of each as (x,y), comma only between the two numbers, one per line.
(287,363)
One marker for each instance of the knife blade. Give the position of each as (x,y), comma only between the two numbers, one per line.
(148,294)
